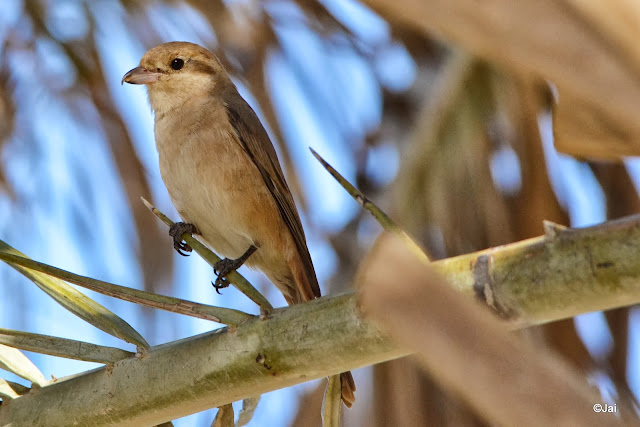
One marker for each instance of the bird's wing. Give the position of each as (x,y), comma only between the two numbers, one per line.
(257,144)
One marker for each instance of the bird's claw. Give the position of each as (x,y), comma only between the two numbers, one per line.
(221,269)
(182,248)
(226,266)
(220,283)
(176,231)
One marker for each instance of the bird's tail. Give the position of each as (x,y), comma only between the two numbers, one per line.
(348,389)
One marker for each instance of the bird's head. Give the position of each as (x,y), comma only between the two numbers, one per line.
(177,72)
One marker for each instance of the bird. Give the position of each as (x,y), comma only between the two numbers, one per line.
(223,175)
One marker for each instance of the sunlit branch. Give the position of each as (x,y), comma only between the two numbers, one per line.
(552,277)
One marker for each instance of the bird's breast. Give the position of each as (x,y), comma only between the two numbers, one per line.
(210,179)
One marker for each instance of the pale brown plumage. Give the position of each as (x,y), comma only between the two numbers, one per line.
(221,170)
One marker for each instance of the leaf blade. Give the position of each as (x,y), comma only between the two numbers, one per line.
(16,362)
(78,303)
(62,347)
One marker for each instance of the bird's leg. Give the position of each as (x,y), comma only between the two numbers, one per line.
(226,266)
(176,231)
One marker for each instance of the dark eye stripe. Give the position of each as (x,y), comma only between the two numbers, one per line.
(200,67)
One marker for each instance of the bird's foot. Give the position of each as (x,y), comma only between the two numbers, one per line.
(226,266)
(176,231)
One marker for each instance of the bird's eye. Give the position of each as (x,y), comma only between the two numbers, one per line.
(177,64)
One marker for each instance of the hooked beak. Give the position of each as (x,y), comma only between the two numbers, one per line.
(140,76)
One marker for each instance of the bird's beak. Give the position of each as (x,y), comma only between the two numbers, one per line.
(140,76)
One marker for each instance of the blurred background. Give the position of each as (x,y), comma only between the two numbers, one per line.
(459,152)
